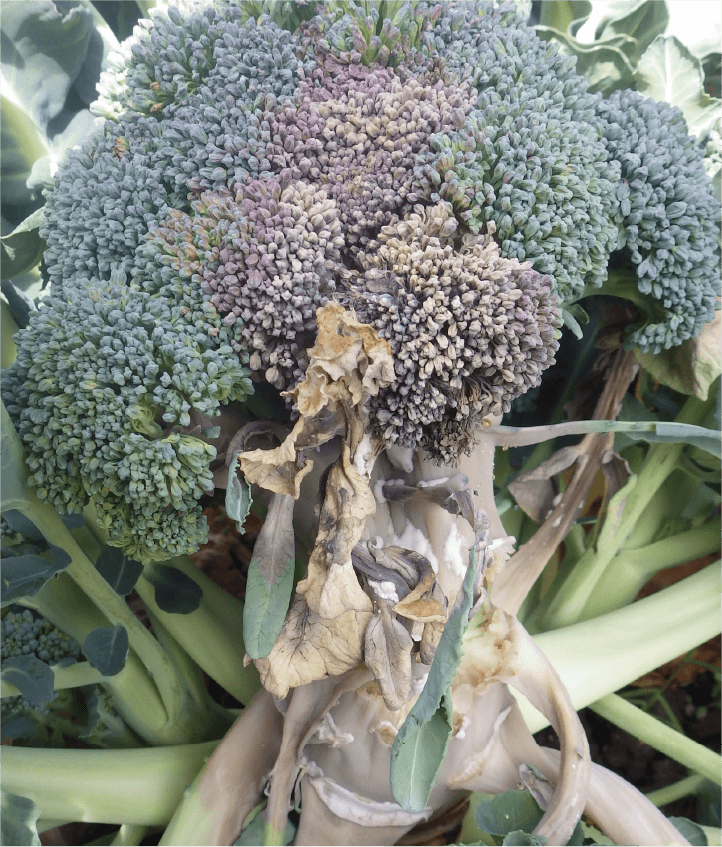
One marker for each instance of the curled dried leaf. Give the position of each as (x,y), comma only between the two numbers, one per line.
(426,602)
(387,653)
(534,490)
(323,633)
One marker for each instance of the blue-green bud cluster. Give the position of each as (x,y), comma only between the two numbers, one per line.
(106,380)
(670,219)
(26,634)
(529,157)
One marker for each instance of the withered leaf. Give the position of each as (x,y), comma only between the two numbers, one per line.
(408,563)
(270,578)
(387,653)
(534,491)
(319,641)
(453,501)
(430,641)
(364,562)
(426,602)
(324,629)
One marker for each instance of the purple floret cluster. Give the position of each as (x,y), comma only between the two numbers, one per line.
(347,215)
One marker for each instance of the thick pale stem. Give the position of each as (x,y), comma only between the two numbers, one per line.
(231,783)
(614,805)
(308,704)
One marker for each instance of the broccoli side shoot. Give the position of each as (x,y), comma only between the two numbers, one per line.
(27,635)
(668,264)
(108,385)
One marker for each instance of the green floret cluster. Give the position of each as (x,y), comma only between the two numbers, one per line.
(26,634)
(247,173)
(108,384)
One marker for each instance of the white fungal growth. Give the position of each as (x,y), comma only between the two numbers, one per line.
(413,538)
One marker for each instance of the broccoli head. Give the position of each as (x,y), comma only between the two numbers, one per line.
(108,385)
(26,635)
(445,173)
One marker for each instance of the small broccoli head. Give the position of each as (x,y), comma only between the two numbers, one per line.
(669,222)
(108,383)
(27,634)
(470,329)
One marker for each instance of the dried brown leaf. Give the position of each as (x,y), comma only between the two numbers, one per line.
(387,653)
(534,491)
(426,603)
(324,630)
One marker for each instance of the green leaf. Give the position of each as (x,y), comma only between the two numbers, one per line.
(642,20)
(238,496)
(668,72)
(420,745)
(23,248)
(44,52)
(570,320)
(119,571)
(692,367)
(18,821)
(23,525)
(690,830)
(14,472)
(519,837)
(514,815)
(705,439)
(270,578)
(22,143)
(107,649)
(419,750)
(24,576)
(507,812)
(605,67)
(564,15)
(175,591)
(31,676)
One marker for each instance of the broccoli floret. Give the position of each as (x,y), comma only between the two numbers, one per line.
(529,156)
(445,172)
(669,221)
(27,634)
(108,382)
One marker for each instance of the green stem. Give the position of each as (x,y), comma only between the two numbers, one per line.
(111,604)
(66,606)
(130,835)
(651,731)
(212,635)
(272,837)
(575,542)
(630,569)
(142,786)
(567,605)
(677,790)
(600,656)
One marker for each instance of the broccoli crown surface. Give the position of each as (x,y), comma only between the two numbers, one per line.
(27,634)
(446,173)
(670,219)
(106,390)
